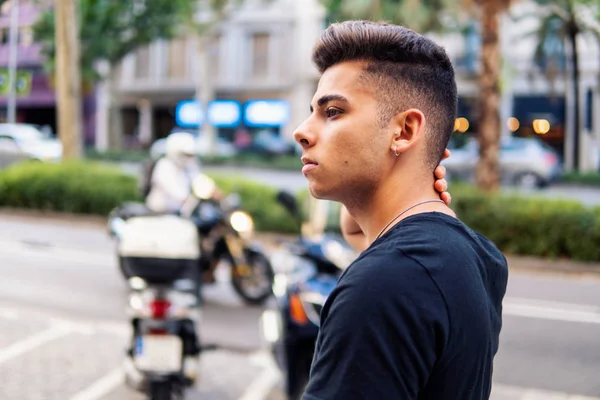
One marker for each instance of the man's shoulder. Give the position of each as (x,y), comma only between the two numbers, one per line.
(384,273)
(431,238)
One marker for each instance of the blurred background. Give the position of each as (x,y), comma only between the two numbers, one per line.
(90,89)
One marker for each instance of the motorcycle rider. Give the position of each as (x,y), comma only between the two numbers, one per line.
(170,184)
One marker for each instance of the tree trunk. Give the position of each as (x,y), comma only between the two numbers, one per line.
(68,81)
(115,116)
(573,32)
(488,170)
(205,88)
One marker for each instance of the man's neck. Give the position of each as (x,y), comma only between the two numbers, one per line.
(373,214)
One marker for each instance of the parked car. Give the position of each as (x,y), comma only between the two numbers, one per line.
(223,147)
(267,142)
(20,142)
(527,163)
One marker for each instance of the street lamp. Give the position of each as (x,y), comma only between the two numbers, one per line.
(12,62)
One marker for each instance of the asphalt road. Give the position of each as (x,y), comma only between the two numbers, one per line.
(63,329)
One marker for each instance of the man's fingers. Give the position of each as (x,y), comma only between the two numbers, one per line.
(441,185)
(440,172)
(446,154)
(446,198)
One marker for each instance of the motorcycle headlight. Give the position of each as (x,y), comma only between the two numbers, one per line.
(290,269)
(241,222)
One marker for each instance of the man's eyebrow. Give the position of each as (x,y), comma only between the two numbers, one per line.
(328,98)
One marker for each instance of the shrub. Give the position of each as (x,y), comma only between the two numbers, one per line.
(93,188)
(518,225)
(582,178)
(74,187)
(531,226)
(260,202)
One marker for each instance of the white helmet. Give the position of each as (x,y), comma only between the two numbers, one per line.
(180,147)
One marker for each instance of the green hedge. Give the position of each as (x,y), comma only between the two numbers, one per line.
(518,225)
(280,162)
(531,226)
(70,187)
(581,178)
(260,202)
(94,188)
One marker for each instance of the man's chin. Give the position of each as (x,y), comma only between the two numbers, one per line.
(320,193)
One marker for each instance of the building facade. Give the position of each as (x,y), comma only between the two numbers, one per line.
(261,52)
(36,100)
(530,98)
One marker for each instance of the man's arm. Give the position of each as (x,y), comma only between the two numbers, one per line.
(380,335)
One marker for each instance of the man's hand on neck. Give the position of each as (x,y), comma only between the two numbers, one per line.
(387,203)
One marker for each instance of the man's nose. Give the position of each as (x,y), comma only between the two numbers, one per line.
(304,135)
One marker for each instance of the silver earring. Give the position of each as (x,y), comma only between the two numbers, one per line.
(396,151)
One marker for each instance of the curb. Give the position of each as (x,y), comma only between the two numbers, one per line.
(515,262)
(559,266)
(52,217)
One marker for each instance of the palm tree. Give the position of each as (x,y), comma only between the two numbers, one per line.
(488,167)
(427,15)
(565,21)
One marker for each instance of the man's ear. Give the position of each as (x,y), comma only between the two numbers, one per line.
(410,126)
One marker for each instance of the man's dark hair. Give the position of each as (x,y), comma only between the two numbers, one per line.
(408,69)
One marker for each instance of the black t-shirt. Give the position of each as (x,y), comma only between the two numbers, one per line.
(416,316)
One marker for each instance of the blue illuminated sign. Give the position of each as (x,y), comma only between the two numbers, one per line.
(189,114)
(224,113)
(266,113)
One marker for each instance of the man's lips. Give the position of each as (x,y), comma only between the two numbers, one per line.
(308,164)
(306,161)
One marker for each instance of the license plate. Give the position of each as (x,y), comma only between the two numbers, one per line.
(159,353)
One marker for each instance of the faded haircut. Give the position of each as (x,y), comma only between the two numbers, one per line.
(408,70)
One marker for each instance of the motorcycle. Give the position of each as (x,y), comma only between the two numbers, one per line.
(161,253)
(308,271)
(225,233)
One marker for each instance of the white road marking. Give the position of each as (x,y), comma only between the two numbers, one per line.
(504,392)
(551,310)
(102,386)
(264,384)
(23,346)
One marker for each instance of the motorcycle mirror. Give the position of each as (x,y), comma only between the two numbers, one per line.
(203,187)
(288,200)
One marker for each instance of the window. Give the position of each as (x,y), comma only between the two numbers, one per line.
(142,63)
(214,55)
(177,58)
(26,36)
(5,10)
(260,55)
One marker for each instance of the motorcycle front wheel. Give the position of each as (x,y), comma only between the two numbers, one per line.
(253,281)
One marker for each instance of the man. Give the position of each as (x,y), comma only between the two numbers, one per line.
(171,185)
(418,314)
(354,235)
(172,176)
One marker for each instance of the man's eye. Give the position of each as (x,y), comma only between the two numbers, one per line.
(332,112)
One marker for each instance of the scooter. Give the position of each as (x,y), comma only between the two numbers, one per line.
(225,235)
(161,254)
(307,272)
